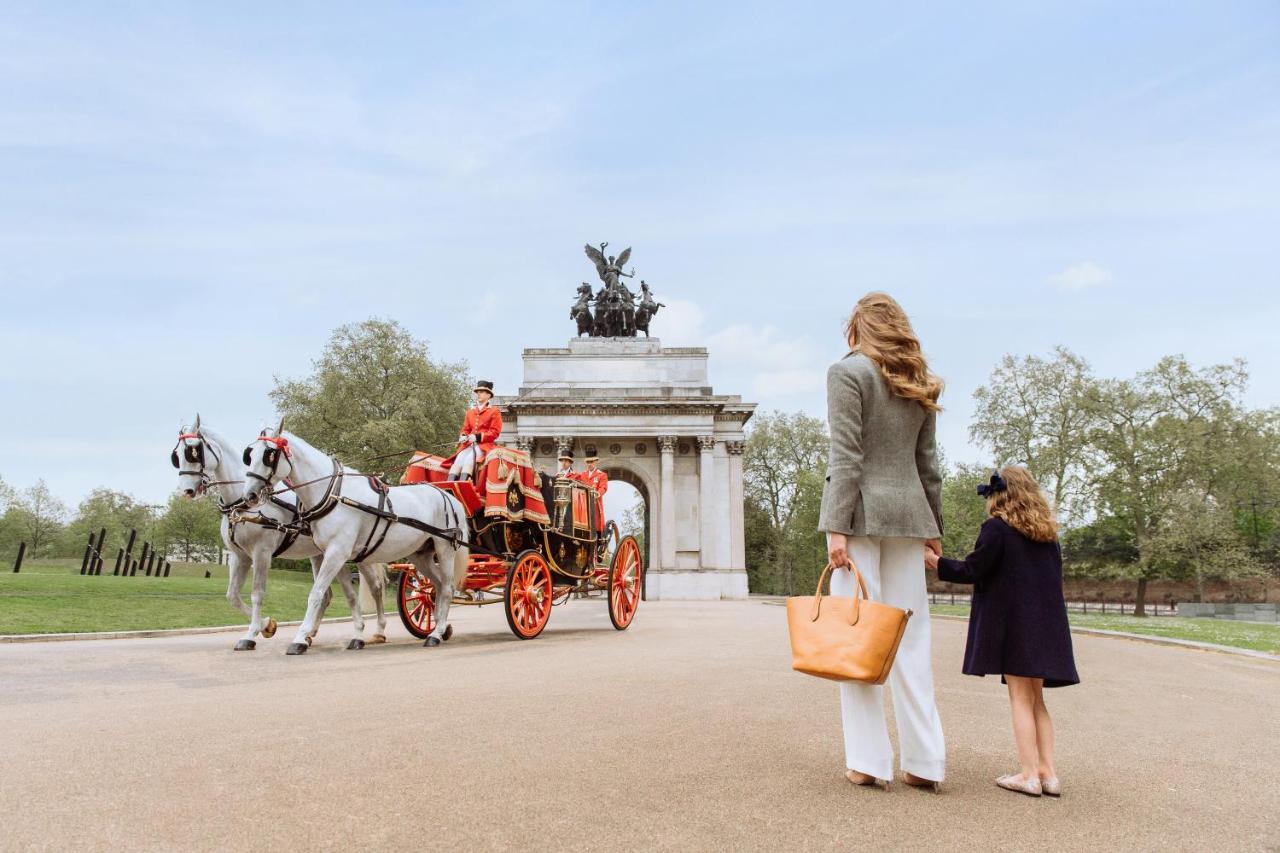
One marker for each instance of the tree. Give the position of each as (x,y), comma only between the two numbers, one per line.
(1034,411)
(784,465)
(374,391)
(633,522)
(116,511)
(1154,437)
(37,517)
(1198,539)
(963,510)
(191,527)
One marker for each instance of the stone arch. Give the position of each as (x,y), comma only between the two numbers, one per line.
(626,471)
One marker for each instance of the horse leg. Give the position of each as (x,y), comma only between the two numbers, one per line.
(237,569)
(445,571)
(329,567)
(375,575)
(261,562)
(357,614)
(328,593)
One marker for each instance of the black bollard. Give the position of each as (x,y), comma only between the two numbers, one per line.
(97,552)
(207,574)
(167,566)
(88,552)
(142,561)
(119,560)
(17,564)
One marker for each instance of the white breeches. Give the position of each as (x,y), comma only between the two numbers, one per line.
(464,464)
(895,574)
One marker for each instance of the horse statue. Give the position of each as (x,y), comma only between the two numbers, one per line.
(206,462)
(358,519)
(648,307)
(581,312)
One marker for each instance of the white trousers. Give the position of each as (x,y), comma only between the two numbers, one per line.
(894,572)
(465,462)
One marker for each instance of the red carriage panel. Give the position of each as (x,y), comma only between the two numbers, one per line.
(512,488)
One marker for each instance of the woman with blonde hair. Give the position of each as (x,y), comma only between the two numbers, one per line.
(882,510)
(1018,620)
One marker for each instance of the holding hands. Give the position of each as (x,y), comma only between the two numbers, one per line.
(932,551)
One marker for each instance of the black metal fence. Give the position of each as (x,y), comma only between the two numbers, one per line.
(1118,608)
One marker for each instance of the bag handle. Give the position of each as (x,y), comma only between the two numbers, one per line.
(856,611)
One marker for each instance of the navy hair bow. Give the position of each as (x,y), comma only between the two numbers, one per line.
(997,484)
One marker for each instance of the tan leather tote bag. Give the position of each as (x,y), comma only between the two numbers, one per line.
(844,639)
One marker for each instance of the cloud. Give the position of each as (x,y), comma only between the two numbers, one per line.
(1082,276)
(758,358)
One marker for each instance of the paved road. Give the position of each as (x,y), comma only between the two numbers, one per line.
(686,732)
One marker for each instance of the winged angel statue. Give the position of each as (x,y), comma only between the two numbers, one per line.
(616,313)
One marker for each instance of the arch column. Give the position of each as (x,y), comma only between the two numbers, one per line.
(708,556)
(737,496)
(667,502)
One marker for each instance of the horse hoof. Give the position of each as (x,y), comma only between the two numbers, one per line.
(355,644)
(298,648)
(377,639)
(270,631)
(432,642)
(246,646)
(448,631)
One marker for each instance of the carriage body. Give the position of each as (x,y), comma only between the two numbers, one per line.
(535,542)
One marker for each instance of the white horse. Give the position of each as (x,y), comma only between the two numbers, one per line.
(354,518)
(208,462)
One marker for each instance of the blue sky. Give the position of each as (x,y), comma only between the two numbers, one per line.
(193,196)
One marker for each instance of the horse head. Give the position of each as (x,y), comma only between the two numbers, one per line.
(267,461)
(195,458)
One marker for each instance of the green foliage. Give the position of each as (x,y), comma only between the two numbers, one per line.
(116,511)
(374,391)
(34,516)
(963,510)
(1034,412)
(784,466)
(634,522)
(191,528)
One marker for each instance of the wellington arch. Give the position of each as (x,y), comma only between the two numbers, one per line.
(651,415)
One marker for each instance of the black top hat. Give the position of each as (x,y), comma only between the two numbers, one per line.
(484,385)
(567,454)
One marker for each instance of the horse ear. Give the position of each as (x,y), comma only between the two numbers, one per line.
(197,427)
(280,429)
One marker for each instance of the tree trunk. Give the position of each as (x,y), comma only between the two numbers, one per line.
(1140,598)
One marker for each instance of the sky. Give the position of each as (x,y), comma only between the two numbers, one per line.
(192,196)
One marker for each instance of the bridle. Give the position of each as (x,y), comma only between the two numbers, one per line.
(194,453)
(279,447)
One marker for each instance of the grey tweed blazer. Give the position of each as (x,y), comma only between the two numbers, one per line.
(883,477)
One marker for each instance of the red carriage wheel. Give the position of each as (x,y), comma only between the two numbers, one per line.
(417,603)
(625,575)
(528,595)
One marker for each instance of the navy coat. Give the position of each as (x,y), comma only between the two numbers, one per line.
(1018,620)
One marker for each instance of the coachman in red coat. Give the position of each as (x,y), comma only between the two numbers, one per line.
(599,481)
(480,430)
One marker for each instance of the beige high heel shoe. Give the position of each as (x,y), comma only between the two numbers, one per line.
(1014,782)
(1051,787)
(865,781)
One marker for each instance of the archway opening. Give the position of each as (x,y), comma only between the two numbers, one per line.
(627,502)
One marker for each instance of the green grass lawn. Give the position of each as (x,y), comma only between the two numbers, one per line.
(1258,636)
(55,601)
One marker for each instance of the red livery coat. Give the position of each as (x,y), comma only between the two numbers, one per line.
(485,424)
(599,481)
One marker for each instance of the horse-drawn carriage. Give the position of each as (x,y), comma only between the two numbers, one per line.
(535,542)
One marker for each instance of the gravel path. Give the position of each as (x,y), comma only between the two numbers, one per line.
(689,731)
